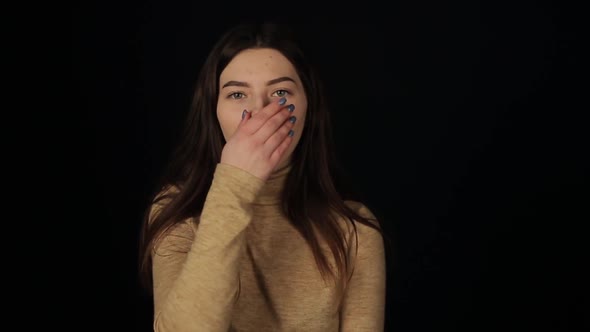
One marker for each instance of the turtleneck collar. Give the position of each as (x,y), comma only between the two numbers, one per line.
(271,192)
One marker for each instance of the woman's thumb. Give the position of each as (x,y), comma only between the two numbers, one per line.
(246,115)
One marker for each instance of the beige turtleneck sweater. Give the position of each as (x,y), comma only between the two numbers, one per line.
(243,267)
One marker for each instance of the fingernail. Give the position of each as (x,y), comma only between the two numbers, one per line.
(282,101)
(291,133)
(291,108)
(292,119)
(243,114)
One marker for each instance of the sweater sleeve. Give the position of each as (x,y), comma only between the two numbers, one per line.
(195,267)
(363,307)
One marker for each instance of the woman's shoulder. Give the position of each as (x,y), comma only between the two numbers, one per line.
(361,209)
(359,219)
(161,198)
(368,232)
(165,194)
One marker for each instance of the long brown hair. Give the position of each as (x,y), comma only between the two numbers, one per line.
(312,197)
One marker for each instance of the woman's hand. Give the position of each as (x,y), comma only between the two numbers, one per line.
(260,141)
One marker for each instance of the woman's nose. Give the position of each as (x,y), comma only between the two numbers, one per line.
(259,103)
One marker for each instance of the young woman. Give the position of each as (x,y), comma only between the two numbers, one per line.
(247,231)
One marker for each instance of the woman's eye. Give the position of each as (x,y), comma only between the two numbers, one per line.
(236,95)
(281,93)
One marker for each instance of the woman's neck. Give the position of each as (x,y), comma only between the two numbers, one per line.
(273,188)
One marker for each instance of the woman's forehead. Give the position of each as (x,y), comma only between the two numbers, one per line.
(258,66)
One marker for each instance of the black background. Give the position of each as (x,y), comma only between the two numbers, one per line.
(461,125)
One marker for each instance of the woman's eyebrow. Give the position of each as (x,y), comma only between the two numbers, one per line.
(271,82)
(280,79)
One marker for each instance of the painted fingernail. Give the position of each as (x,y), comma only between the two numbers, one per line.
(243,114)
(282,101)
(292,119)
(291,133)
(291,108)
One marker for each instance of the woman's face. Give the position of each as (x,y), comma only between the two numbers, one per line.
(256,78)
